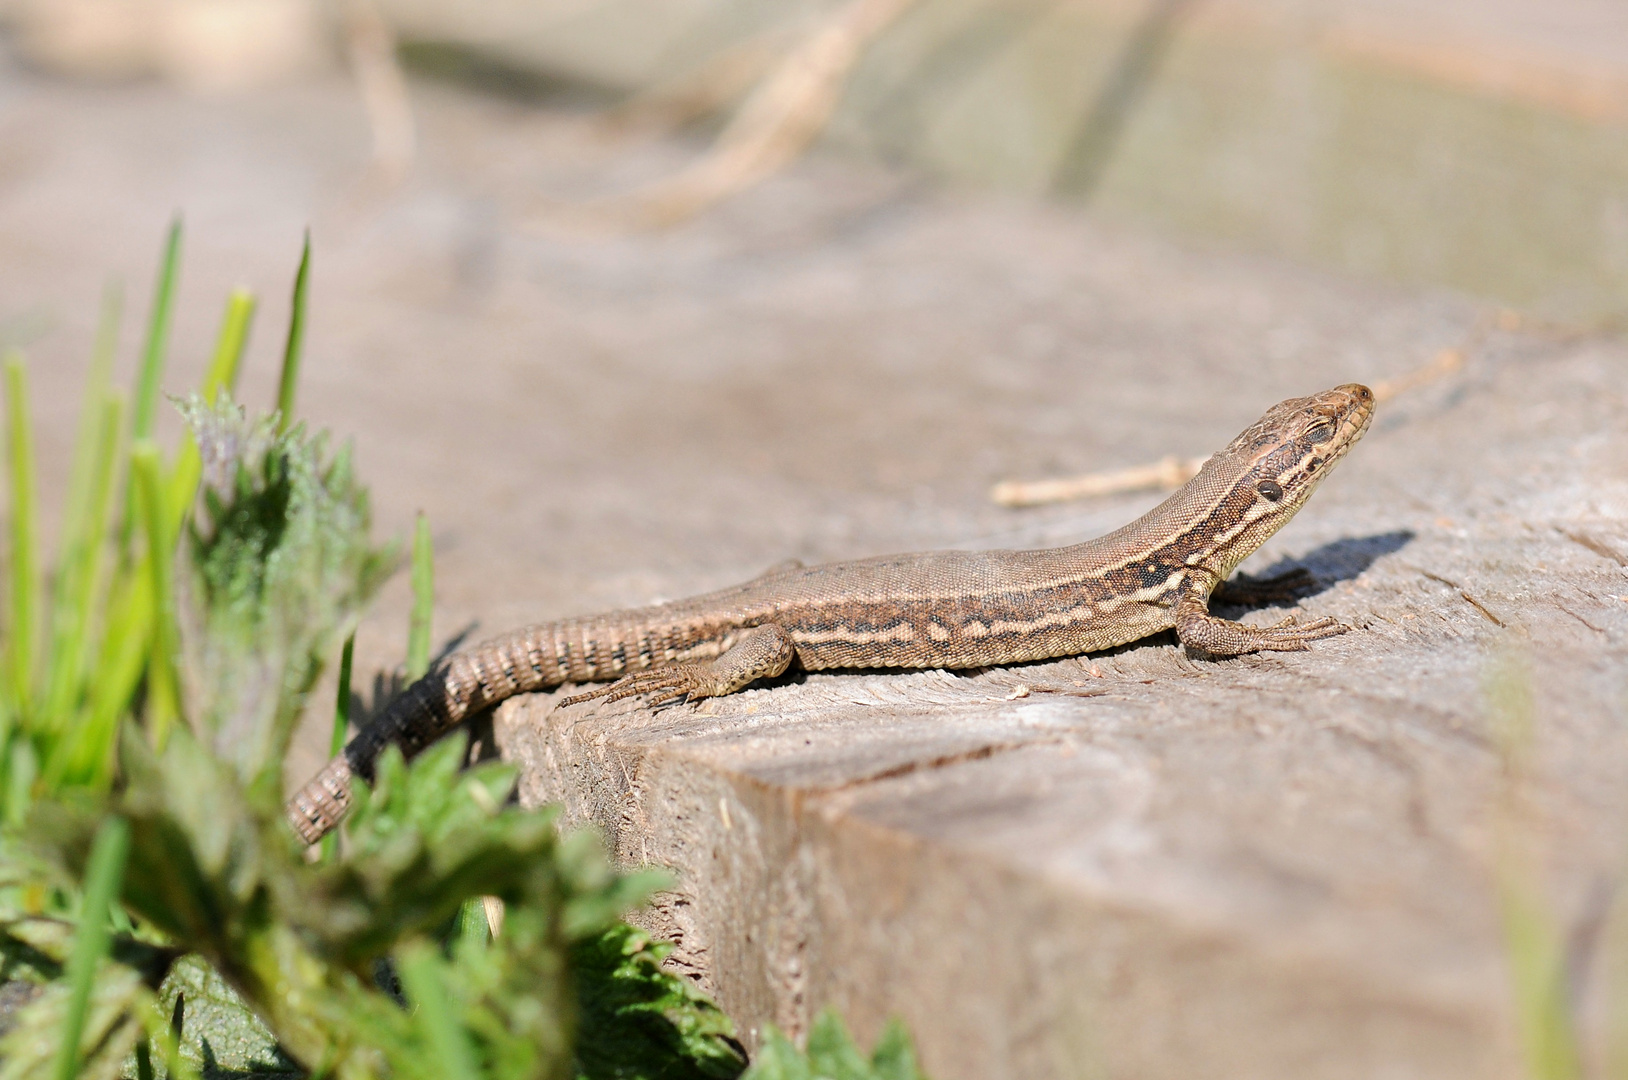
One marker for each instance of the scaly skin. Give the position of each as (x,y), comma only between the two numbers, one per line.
(943,609)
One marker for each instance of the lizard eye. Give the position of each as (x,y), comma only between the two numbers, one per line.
(1320,432)
(1270,490)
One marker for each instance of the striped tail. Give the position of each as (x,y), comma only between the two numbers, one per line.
(459,687)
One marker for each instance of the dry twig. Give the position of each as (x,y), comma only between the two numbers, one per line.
(774,125)
(720,80)
(372,48)
(1171,472)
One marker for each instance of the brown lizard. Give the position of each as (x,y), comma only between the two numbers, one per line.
(941,609)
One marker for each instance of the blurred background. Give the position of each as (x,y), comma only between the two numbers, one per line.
(1477,145)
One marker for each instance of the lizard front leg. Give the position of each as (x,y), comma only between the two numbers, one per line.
(761,653)
(1200,630)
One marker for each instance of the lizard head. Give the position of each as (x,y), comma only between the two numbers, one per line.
(1292,447)
(1268,472)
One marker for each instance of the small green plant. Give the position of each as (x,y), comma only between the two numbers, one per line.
(639,1020)
(832,1055)
(148,880)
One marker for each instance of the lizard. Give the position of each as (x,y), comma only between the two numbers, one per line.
(942,609)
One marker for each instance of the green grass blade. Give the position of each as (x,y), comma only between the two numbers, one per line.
(296,341)
(22,769)
(418,629)
(158,336)
(448,1042)
(79,580)
(25,583)
(87,758)
(98,384)
(342,704)
(151,372)
(82,527)
(103,876)
(222,375)
(229,346)
(473,925)
(330,843)
(163,686)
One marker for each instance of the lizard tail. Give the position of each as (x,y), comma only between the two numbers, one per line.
(454,690)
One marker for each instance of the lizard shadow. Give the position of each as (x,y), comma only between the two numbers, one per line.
(388,684)
(1330,564)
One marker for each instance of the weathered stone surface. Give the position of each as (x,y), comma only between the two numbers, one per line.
(1278,866)
(1156,866)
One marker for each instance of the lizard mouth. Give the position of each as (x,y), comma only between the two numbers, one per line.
(1354,404)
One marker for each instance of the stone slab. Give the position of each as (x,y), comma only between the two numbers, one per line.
(1141,864)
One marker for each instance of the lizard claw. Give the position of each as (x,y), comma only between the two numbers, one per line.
(660,686)
(1291,636)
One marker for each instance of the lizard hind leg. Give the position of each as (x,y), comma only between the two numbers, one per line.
(760,653)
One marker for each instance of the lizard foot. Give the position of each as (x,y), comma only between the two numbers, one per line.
(661,686)
(1222,637)
(761,652)
(1292,636)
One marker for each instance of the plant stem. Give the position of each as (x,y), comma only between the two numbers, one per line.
(102,879)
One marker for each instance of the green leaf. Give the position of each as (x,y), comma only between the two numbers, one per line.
(87,758)
(163,680)
(220,1033)
(278,567)
(111,1027)
(421,975)
(158,335)
(102,879)
(341,728)
(295,347)
(24,568)
(641,1022)
(832,1055)
(220,378)
(81,577)
(80,570)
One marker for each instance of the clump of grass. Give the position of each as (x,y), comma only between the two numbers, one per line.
(146,702)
